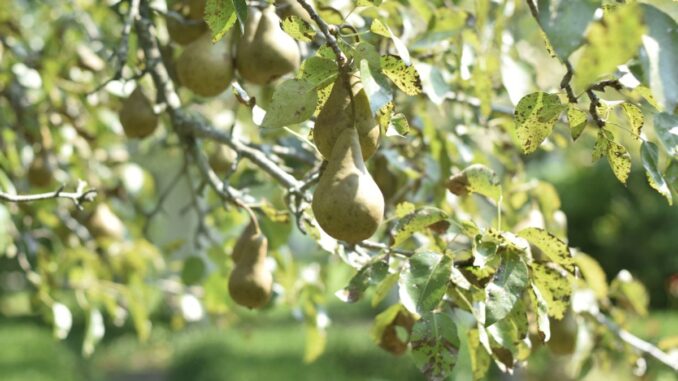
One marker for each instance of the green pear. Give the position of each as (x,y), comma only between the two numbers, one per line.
(39,172)
(251,283)
(204,67)
(193,12)
(137,116)
(103,223)
(563,339)
(384,177)
(265,52)
(390,340)
(347,202)
(338,114)
(222,158)
(247,239)
(288,8)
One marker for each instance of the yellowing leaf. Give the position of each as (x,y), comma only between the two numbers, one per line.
(535,116)
(405,77)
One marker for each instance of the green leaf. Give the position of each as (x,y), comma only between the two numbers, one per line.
(610,42)
(661,47)
(319,71)
(666,127)
(294,101)
(635,117)
(241,12)
(383,320)
(299,29)
(542,309)
(476,178)
(565,21)
(6,227)
(435,345)
(553,288)
(366,51)
(316,340)
(535,116)
(505,287)
(405,77)
(555,249)
(424,283)
(620,161)
(416,221)
(383,288)
(649,154)
(378,28)
(480,359)
(577,120)
(602,144)
(593,274)
(376,87)
(399,124)
(370,274)
(630,292)
(220,16)
(193,270)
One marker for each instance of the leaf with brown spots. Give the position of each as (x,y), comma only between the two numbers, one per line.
(294,101)
(535,116)
(405,77)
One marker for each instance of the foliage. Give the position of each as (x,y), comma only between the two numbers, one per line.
(463,93)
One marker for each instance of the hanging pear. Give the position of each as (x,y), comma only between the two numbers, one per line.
(222,158)
(103,223)
(39,172)
(250,283)
(193,12)
(265,52)
(137,116)
(338,114)
(204,67)
(347,202)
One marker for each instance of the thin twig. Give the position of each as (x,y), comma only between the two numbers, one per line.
(79,197)
(637,343)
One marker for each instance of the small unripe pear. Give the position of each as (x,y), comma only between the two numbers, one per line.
(222,158)
(193,12)
(137,116)
(103,223)
(265,52)
(347,202)
(39,172)
(204,67)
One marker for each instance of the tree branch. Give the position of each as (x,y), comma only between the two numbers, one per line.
(636,342)
(79,197)
(325,29)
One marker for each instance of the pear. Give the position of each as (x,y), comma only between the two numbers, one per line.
(251,283)
(222,158)
(347,202)
(563,339)
(288,8)
(137,116)
(247,239)
(265,52)
(204,67)
(103,223)
(193,12)
(337,115)
(384,177)
(39,172)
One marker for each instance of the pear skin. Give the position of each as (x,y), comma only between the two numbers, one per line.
(247,239)
(251,283)
(347,202)
(39,172)
(337,115)
(204,67)
(265,52)
(137,116)
(193,11)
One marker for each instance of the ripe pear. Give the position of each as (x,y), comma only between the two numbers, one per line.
(137,116)
(265,52)
(39,172)
(563,339)
(337,115)
(288,8)
(193,12)
(251,283)
(347,202)
(204,67)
